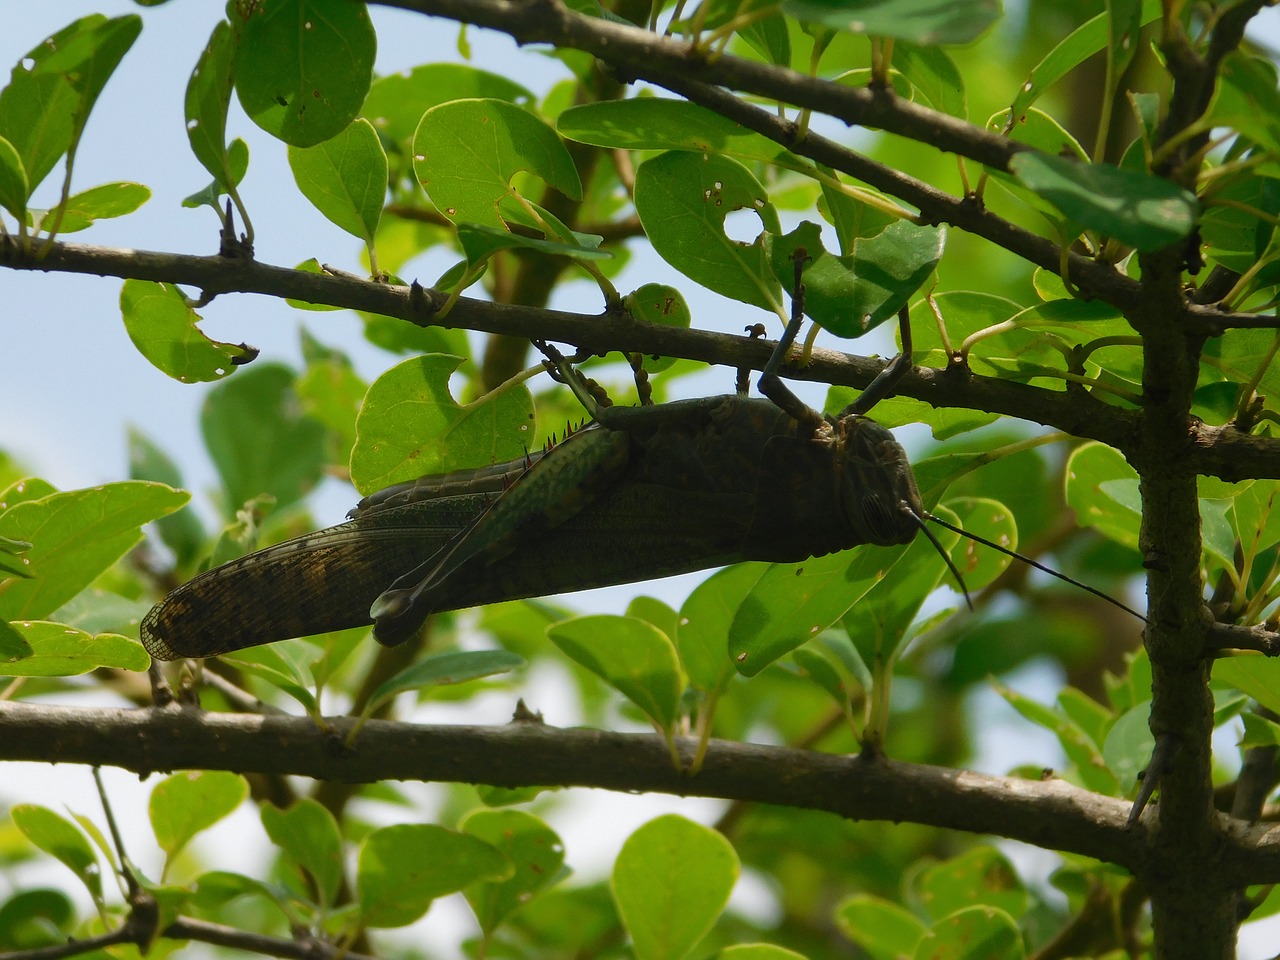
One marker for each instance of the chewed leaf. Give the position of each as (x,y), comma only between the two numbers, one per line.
(162,326)
(1144,211)
(467,151)
(410,425)
(683,199)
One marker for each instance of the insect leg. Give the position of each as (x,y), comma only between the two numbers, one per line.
(771,384)
(885,381)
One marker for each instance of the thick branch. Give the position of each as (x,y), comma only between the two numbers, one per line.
(645,55)
(1217,451)
(1050,813)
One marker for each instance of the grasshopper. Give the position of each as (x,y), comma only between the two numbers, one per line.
(731,478)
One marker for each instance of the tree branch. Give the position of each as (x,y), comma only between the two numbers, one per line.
(645,55)
(1049,813)
(1217,451)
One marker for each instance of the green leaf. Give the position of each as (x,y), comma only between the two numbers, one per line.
(794,602)
(682,200)
(1082,43)
(98,203)
(345,178)
(654,123)
(671,880)
(632,656)
(878,623)
(1259,731)
(757,951)
(1246,99)
(702,637)
(1144,211)
(410,425)
(237,166)
(13,645)
(933,75)
(162,326)
(207,98)
(303,67)
(14,187)
(660,304)
(479,242)
(181,531)
(403,868)
(441,669)
(36,918)
(850,295)
(1127,749)
(84,55)
(75,536)
(534,849)
(975,933)
(397,102)
(980,876)
(37,116)
(259,438)
(1254,674)
(881,927)
(1077,744)
(308,833)
(58,650)
(285,666)
(1098,503)
(61,839)
(187,803)
(925,22)
(467,151)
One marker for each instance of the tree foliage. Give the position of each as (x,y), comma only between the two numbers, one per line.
(1080,216)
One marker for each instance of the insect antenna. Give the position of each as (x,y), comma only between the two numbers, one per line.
(942,551)
(1013,553)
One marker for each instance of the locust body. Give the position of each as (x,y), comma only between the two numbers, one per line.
(641,493)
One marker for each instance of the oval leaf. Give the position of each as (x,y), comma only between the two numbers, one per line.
(671,880)
(536,854)
(308,833)
(928,23)
(403,868)
(410,425)
(440,669)
(303,67)
(1144,211)
(682,200)
(467,151)
(632,656)
(345,178)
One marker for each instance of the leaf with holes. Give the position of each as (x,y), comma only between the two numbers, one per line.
(683,199)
